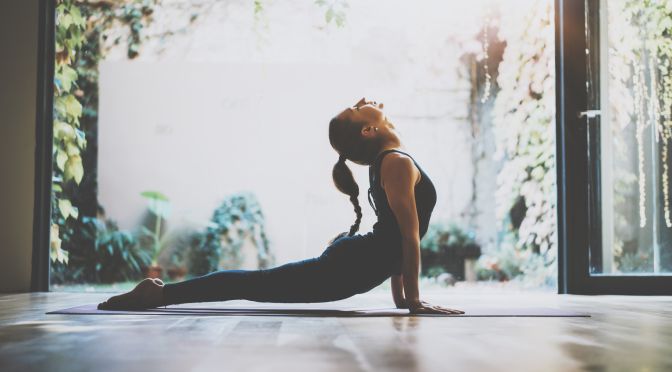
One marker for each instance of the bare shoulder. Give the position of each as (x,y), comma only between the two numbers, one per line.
(397,165)
(396,160)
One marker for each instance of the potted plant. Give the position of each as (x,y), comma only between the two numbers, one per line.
(447,248)
(159,206)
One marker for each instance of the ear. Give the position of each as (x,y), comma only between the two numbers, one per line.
(368,131)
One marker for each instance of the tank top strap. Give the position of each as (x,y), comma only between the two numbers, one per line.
(380,156)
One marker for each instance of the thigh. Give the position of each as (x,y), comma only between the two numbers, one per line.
(310,280)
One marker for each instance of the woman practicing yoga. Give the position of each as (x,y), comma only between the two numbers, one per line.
(401,194)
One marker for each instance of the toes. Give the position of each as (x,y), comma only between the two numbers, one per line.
(120,302)
(109,304)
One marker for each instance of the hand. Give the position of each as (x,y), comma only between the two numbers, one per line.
(401,304)
(422,307)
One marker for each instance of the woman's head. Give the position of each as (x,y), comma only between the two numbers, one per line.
(361,131)
(358,134)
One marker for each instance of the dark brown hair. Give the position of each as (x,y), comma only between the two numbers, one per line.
(345,138)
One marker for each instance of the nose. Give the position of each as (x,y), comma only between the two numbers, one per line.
(374,103)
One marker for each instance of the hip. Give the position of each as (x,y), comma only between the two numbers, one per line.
(367,251)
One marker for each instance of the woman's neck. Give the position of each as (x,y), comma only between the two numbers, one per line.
(392,145)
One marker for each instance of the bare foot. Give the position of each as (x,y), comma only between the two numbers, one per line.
(147,294)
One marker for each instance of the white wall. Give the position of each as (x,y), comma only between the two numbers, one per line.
(200,132)
(233,106)
(18,86)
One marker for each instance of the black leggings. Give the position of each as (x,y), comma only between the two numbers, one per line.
(349,266)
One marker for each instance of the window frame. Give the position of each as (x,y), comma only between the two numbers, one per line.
(579,203)
(43,147)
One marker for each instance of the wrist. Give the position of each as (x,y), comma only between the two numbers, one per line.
(413,303)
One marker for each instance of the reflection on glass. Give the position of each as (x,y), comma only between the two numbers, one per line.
(636,126)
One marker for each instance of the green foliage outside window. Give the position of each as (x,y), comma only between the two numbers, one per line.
(82,39)
(238,219)
(80,32)
(524,125)
(116,255)
(445,247)
(640,95)
(68,139)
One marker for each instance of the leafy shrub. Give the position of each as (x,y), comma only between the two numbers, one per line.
(237,219)
(102,254)
(523,265)
(635,262)
(444,249)
(442,234)
(502,265)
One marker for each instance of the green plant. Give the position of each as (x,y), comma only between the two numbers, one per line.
(640,106)
(115,255)
(236,220)
(442,234)
(81,28)
(445,247)
(84,32)
(635,262)
(523,119)
(508,262)
(335,11)
(502,265)
(159,205)
(68,139)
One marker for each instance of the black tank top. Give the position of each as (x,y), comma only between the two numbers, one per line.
(425,198)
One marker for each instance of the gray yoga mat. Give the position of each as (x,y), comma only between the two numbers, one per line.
(279,310)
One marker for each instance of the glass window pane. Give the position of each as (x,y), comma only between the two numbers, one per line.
(635,127)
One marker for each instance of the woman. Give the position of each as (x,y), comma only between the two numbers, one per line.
(401,194)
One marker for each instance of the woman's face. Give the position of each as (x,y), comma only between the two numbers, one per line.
(371,113)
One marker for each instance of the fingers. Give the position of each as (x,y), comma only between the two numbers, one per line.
(433,309)
(451,311)
(445,309)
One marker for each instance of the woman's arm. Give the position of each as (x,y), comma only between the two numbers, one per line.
(399,176)
(398,292)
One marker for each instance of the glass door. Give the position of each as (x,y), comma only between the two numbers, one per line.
(614,126)
(630,80)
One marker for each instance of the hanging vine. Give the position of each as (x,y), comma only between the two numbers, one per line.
(68,139)
(80,32)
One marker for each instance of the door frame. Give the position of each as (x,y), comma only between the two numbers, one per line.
(577,227)
(578,189)
(43,147)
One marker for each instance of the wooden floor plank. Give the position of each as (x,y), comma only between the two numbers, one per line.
(624,333)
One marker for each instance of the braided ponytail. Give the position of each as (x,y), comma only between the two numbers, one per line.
(346,184)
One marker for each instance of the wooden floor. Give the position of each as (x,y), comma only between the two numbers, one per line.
(623,334)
